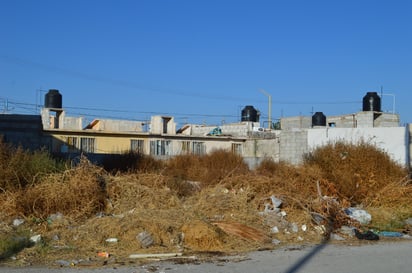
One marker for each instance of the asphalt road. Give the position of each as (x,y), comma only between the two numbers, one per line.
(382,257)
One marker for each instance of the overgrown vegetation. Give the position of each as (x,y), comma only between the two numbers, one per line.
(20,168)
(131,193)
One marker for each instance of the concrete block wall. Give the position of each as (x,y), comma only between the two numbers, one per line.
(346,121)
(392,140)
(299,122)
(22,130)
(293,145)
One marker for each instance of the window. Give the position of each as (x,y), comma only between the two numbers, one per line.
(72,144)
(137,145)
(87,144)
(160,147)
(237,148)
(185,147)
(198,148)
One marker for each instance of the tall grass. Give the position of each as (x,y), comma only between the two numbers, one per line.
(209,169)
(21,168)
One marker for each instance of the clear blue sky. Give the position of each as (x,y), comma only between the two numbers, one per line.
(204,60)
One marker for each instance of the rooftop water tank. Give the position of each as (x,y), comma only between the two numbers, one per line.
(318,119)
(53,99)
(249,113)
(372,102)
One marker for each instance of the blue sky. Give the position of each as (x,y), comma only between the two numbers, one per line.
(203,61)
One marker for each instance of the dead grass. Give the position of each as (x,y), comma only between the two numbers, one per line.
(207,203)
(357,171)
(78,192)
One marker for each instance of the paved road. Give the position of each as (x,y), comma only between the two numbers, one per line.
(383,257)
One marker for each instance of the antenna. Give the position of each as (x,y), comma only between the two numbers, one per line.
(269,107)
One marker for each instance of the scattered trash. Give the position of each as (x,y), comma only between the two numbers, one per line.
(112,240)
(359,215)
(276,202)
(215,132)
(276,241)
(55,216)
(336,237)
(317,218)
(63,263)
(282,213)
(304,228)
(320,229)
(368,235)
(390,234)
(100,214)
(294,227)
(145,239)
(275,229)
(274,207)
(36,238)
(346,230)
(17,222)
(103,254)
(156,255)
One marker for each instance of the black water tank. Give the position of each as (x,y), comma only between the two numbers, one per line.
(53,99)
(372,102)
(318,119)
(249,113)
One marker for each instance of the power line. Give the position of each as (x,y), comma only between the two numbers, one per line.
(145,88)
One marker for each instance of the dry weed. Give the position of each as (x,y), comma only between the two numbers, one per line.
(79,192)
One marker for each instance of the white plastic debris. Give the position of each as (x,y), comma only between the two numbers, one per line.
(362,216)
(276,201)
(274,229)
(294,228)
(304,228)
(36,238)
(17,222)
(112,240)
(282,213)
(275,241)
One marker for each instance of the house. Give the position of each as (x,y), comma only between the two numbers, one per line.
(69,136)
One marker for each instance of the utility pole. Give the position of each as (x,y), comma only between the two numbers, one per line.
(269,107)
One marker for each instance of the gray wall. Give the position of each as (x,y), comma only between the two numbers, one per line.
(23,130)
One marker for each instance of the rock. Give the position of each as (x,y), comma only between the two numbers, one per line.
(145,239)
